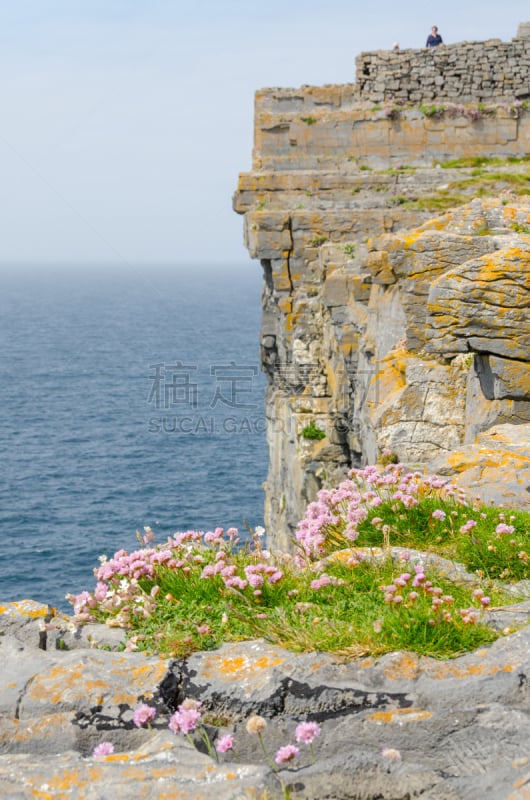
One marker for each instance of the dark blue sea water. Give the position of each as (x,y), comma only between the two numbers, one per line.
(128,397)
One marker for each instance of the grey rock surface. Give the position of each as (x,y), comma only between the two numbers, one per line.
(396,727)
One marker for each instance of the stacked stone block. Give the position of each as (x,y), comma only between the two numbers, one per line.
(491,71)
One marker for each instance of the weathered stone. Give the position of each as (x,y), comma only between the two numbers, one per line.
(57,705)
(501,451)
(502,378)
(482,306)
(461,726)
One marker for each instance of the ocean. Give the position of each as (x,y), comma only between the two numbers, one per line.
(129,397)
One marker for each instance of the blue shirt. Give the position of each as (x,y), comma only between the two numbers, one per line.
(434,41)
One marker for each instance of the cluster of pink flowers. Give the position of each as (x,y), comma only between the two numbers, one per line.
(305,733)
(503,528)
(470,616)
(255,574)
(119,592)
(394,595)
(186,717)
(325,580)
(335,515)
(468,526)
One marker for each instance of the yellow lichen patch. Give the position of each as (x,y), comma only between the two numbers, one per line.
(125,698)
(239,667)
(40,728)
(67,780)
(52,686)
(405,666)
(231,776)
(484,460)
(411,238)
(152,673)
(342,556)
(524,781)
(232,665)
(447,670)
(399,715)
(29,608)
(366,663)
(117,757)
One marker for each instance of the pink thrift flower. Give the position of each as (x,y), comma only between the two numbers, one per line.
(438,514)
(143,715)
(100,592)
(203,629)
(319,583)
(103,749)
(503,528)
(225,743)
(306,732)
(286,754)
(255,580)
(184,720)
(469,525)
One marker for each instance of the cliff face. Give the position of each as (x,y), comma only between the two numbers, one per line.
(395,330)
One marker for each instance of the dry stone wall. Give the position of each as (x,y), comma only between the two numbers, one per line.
(463,72)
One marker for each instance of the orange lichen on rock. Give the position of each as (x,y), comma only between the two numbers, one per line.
(27,608)
(446,670)
(399,715)
(406,665)
(239,667)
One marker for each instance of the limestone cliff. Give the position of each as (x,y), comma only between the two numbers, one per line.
(395,245)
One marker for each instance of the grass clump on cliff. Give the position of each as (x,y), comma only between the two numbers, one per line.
(312,431)
(343,591)
(441,201)
(482,161)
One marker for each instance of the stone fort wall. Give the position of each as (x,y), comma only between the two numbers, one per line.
(491,71)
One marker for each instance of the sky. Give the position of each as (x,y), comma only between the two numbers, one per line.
(124,123)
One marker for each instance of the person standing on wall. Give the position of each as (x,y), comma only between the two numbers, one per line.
(434,38)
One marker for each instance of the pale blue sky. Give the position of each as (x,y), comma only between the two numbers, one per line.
(124,123)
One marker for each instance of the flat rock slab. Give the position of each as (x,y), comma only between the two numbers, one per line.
(503,450)
(461,727)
